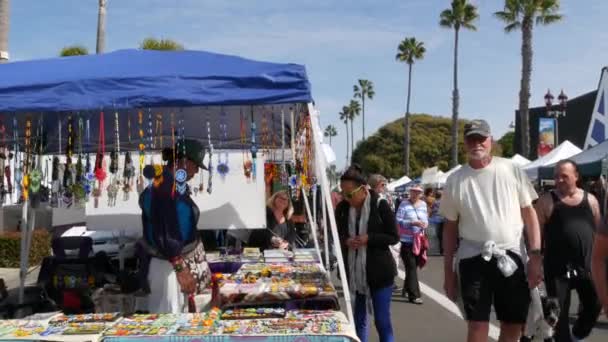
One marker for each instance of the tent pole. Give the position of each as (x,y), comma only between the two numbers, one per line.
(313,224)
(23,227)
(325,236)
(332,220)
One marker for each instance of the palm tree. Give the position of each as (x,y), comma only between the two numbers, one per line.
(461,15)
(4,26)
(330,131)
(161,44)
(365,89)
(409,51)
(101,27)
(74,50)
(344,115)
(354,109)
(523,14)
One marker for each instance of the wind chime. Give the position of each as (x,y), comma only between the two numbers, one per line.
(222,157)
(181,176)
(69,175)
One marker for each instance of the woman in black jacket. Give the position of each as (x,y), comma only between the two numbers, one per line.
(367,227)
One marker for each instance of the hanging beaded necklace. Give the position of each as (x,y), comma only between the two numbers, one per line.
(181,176)
(18,177)
(254,147)
(247,165)
(210,165)
(100,173)
(222,164)
(27,150)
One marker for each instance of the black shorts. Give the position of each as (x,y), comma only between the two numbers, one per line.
(482,283)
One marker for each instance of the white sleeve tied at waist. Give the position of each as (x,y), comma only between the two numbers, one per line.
(504,262)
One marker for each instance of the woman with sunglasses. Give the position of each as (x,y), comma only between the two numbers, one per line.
(280,232)
(367,228)
(412,218)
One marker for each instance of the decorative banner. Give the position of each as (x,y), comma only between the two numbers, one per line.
(546,136)
(598,125)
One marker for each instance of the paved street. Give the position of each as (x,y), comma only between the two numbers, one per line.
(434,322)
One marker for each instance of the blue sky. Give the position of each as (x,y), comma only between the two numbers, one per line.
(342,41)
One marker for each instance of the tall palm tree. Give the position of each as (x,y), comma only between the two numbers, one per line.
(522,15)
(461,15)
(354,110)
(161,44)
(101,27)
(4,26)
(73,50)
(408,51)
(344,116)
(330,132)
(365,89)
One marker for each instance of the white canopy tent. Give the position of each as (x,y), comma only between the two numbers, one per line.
(394,184)
(520,160)
(563,151)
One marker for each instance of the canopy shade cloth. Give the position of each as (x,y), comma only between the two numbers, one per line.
(563,151)
(145,78)
(589,162)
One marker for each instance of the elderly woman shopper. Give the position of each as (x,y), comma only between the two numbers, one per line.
(412,218)
(280,231)
(367,228)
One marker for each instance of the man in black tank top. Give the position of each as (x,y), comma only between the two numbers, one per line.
(569,217)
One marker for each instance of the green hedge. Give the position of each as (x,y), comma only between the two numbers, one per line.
(10,247)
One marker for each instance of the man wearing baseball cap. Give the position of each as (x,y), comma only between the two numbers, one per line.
(486,203)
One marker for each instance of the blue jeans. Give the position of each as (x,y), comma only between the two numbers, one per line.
(381,301)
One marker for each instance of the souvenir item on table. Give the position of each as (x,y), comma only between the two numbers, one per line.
(222,158)
(249,313)
(7,327)
(128,174)
(86,318)
(146,325)
(210,165)
(25,328)
(84,328)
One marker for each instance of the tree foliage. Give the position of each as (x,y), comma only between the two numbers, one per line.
(430,146)
(161,44)
(506,144)
(73,50)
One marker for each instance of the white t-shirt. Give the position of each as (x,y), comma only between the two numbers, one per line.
(487,202)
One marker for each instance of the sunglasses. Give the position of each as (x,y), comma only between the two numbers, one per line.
(352,193)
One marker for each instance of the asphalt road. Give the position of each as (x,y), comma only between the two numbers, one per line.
(434,321)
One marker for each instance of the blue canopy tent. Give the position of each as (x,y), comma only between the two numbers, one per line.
(197,86)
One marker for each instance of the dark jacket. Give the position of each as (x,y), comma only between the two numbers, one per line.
(261,238)
(382,233)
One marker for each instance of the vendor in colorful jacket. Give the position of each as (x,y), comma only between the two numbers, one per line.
(177,266)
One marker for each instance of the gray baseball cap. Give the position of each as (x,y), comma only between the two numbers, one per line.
(477,127)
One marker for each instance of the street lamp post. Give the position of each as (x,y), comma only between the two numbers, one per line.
(560,112)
